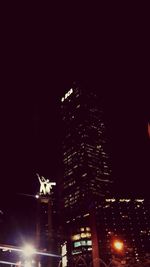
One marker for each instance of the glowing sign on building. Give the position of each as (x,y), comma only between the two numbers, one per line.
(67,94)
(83,243)
(80,236)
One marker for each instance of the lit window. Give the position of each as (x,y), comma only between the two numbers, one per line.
(139,200)
(124,200)
(110,200)
(67,94)
(85,215)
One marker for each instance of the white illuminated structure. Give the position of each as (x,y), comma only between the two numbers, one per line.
(64,255)
(45,185)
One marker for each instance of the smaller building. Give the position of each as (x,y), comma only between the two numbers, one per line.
(127,220)
(122,226)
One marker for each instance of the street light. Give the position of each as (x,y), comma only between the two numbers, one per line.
(118,245)
(27,264)
(28,250)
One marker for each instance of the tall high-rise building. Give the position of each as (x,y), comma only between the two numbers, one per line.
(87,172)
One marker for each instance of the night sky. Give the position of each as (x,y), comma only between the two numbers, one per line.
(39,63)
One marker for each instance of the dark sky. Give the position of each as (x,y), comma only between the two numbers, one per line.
(31,133)
(40,58)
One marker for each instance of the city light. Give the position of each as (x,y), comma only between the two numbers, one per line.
(118,245)
(67,94)
(28,250)
(27,264)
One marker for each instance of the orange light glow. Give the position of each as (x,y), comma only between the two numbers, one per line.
(118,245)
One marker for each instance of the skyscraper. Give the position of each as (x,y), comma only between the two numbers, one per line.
(86,164)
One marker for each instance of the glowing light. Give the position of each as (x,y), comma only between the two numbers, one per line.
(64,254)
(139,200)
(64,250)
(124,200)
(18,249)
(76,237)
(85,215)
(64,261)
(83,235)
(28,250)
(37,196)
(110,200)
(83,243)
(118,245)
(88,234)
(27,264)
(67,94)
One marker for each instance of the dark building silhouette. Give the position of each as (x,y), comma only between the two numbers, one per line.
(92,219)
(87,171)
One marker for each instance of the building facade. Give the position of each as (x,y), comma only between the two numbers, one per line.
(87,172)
(124,219)
(92,219)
